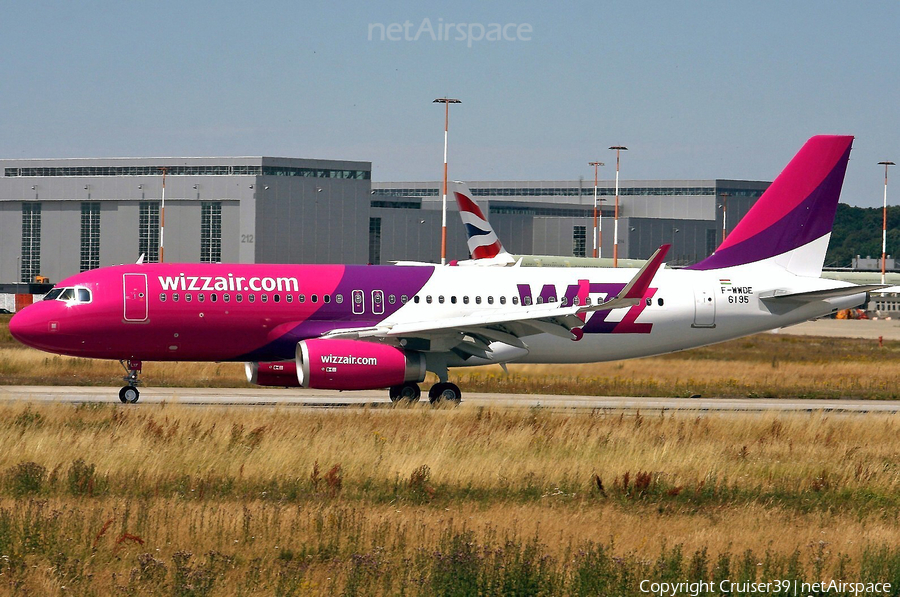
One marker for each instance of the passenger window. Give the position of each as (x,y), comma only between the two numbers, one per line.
(649,302)
(188,297)
(515,300)
(251,298)
(314,298)
(213,297)
(441,299)
(276,298)
(428,299)
(239,298)
(576,301)
(339,298)
(416,299)
(453,299)
(540,300)
(392,299)
(301,298)
(264,298)
(201,297)
(527,301)
(162,297)
(326,298)
(404,299)
(587,301)
(502,300)
(551,299)
(226,297)
(490,300)
(477,300)
(175,297)
(563,301)
(289,297)
(465,300)
(659,302)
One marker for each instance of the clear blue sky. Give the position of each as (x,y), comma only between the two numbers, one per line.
(694,89)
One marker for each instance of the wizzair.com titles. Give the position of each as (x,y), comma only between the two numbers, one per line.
(335,359)
(229,283)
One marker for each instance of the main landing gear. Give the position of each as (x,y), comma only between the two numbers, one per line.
(439,392)
(130,394)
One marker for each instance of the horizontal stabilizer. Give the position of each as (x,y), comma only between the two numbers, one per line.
(819,295)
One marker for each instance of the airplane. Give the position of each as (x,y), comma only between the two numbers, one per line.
(359,327)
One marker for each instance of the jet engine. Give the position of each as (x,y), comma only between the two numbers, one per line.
(356,365)
(281,373)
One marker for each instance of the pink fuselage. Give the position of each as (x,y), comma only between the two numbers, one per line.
(211,312)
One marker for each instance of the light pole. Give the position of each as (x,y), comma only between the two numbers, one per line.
(618,148)
(674,232)
(884,220)
(598,234)
(162,218)
(724,197)
(446,101)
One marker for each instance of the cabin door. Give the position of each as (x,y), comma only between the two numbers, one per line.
(704,308)
(135,293)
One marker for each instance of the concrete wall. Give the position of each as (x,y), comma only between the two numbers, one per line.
(642,236)
(311,220)
(10,240)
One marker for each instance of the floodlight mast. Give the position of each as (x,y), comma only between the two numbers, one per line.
(446,101)
(884,219)
(162,217)
(619,149)
(724,197)
(598,233)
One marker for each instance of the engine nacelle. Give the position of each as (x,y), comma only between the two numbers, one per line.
(356,365)
(282,374)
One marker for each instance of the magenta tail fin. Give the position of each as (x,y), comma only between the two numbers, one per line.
(791,223)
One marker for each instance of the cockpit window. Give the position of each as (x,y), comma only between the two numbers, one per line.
(78,295)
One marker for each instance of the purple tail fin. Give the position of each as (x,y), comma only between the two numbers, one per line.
(792,220)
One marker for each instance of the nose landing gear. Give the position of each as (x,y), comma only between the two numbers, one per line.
(130,394)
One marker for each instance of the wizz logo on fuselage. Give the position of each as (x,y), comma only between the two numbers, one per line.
(595,323)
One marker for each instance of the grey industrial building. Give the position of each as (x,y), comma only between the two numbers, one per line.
(556,217)
(62,216)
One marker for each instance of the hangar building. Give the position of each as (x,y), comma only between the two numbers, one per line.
(62,216)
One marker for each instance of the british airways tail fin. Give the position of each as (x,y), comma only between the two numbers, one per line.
(481,238)
(790,225)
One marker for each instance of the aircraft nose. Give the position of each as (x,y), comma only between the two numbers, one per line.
(26,328)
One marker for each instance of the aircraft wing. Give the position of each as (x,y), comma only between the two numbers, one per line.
(509,325)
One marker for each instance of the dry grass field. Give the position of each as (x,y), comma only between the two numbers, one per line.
(174,500)
(160,499)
